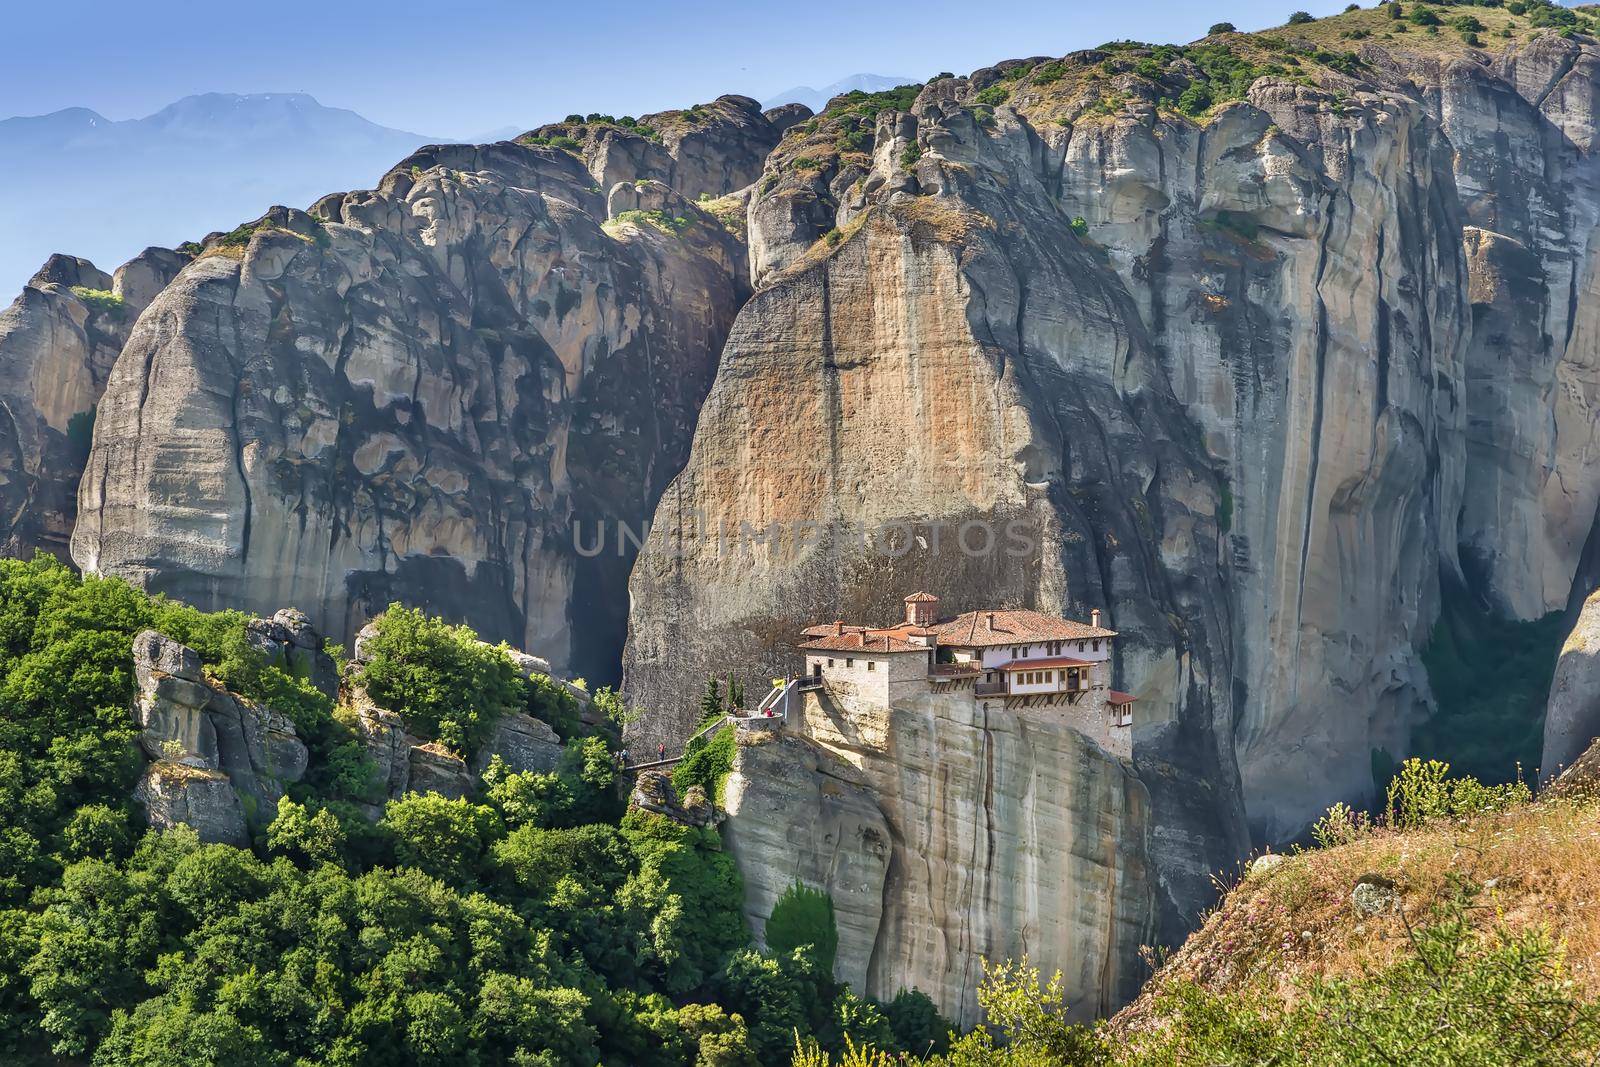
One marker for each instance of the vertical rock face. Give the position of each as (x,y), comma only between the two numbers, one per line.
(1310,309)
(1572,716)
(58,341)
(1256,383)
(946,837)
(423,392)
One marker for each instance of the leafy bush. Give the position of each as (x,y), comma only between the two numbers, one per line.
(707,762)
(445,683)
(1424,791)
(103,300)
(1221,27)
(909,157)
(1299,18)
(804,916)
(994,95)
(1080,226)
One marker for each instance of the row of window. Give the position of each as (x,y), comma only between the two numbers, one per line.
(1052,648)
(872,664)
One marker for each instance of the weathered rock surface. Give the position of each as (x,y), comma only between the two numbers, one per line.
(424,392)
(654,791)
(947,837)
(1572,715)
(706,150)
(523,742)
(1302,359)
(58,341)
(290,642)
(797,813)
(176,793)
(206,742)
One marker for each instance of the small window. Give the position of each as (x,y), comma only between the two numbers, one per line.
(850,663)
(872,664)
(1097,644)
(830,663)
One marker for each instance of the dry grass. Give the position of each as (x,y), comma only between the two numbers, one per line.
(1274,931)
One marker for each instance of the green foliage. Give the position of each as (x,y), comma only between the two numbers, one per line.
(448,685)
(804,916)
(1300,18)
(1490,678)
(1456,997)
(994,95)
(909,157)
(1422,16)
(707,762)
(674,225)
(1424,791)
(1080,226)
(533,925)
(1221,27)
(102,300)
(918,1027)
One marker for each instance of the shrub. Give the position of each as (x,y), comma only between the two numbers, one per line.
(440,678)
(1221,27)
(1300,18)
(908,158)
(1422,16)
(1424,791)
(804,916)
(994,95)
(103,300)
(1080,226)
(707,763)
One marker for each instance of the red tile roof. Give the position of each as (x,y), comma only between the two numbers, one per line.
(1038,664)
(980,629)
(1118,698)
(922,598)
(860,640)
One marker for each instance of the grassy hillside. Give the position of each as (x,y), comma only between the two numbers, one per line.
(1456,929)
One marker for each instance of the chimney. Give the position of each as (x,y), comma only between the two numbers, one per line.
(1094,618)
(991,619)
(838,627)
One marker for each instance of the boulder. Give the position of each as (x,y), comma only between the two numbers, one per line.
(1374,894)
(173,793)
(289,640)
(189,721)
(435,769)
(1572,716)
(383,733)
(523,742)
(654,791)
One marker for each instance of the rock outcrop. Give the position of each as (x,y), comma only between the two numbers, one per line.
(58,341)
(438,391)
(947,836)
(219,762)
(1254,383)
(704,151)
(1572,715)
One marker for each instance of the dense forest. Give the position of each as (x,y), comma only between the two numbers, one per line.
(536,923)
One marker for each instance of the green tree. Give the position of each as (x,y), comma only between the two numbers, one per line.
(443,838)
(804,916)
(446,683)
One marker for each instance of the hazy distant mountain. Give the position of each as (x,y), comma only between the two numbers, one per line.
(815,98)
(74,181)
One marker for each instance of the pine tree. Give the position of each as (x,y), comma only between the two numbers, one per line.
(711,703)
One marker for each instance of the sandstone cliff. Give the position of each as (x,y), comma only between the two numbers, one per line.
(1255,377)
(58,341)
(425,392)
(1572,716)
(947,837)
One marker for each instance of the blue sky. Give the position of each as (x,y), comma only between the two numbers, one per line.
(454,69)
